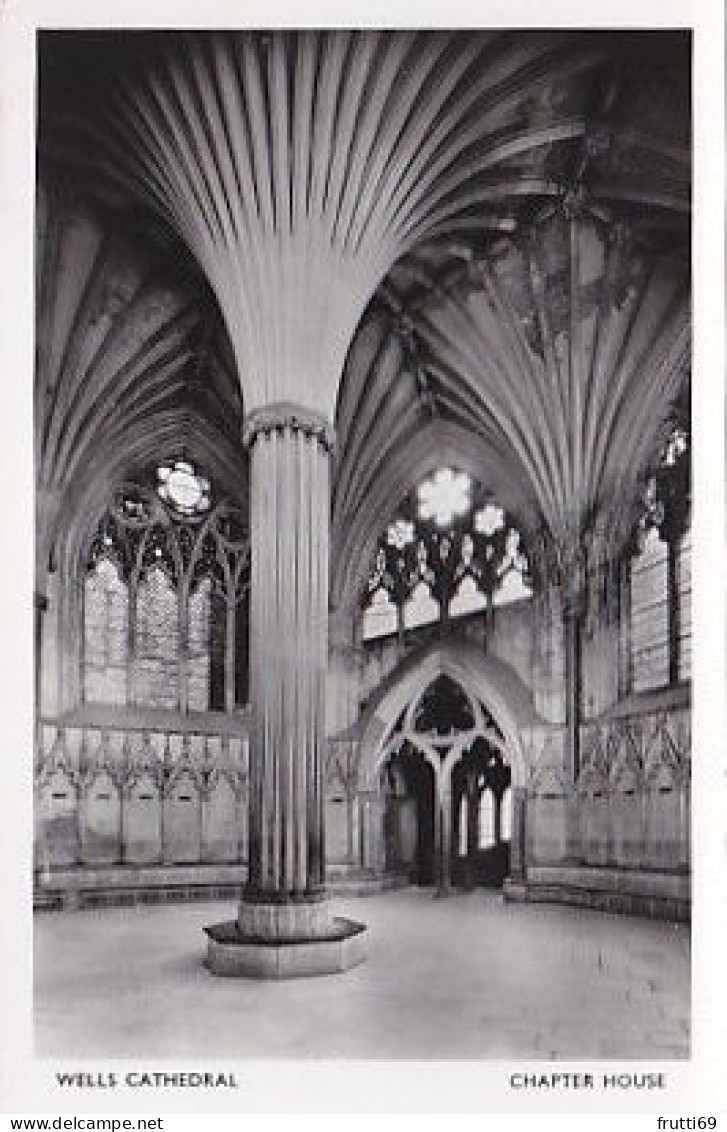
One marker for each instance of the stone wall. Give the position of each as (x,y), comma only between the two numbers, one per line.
(630,806)
(511,638)
(140,788)
(111,796)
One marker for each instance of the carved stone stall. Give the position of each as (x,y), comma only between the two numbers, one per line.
(142,815)
(100,818)
(57,807)
(619,838)
(221,817)
(182,816)
(141,810)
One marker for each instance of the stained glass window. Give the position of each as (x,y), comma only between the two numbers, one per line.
(380,616)
(157,640)
(444,496)
(661,644)
(183,488)
(200,614)
(450,551)
(106,620)
(165,599)
(684,586)
(649,615)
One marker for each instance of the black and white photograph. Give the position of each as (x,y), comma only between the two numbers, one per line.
(363,403)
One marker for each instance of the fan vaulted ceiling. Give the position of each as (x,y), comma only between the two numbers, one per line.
(469,247)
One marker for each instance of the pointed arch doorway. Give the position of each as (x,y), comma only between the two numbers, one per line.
(445,779)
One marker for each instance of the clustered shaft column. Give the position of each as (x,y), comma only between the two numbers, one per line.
(289,525)
(283,927)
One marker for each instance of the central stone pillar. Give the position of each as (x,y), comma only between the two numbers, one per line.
(284,926)
(289,526)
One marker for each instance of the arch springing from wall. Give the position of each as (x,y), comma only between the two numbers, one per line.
(491,686)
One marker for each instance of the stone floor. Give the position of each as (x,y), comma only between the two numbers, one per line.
(463,977)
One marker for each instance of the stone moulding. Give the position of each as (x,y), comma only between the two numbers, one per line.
(285,415)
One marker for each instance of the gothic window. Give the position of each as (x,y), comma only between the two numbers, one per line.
(444,496)
(649,615)
(380,616)
(156,637)
(420,608)
(199,646)
(165,597)
(182,488)
(105,632)
(449,552)
(684,587)
(661,570)
(467,598)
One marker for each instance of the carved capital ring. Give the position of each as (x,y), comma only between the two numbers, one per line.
(283,416)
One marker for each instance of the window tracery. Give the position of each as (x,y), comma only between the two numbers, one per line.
(661,567)
(165,589)
(182,488)
(449,551)
(106,614)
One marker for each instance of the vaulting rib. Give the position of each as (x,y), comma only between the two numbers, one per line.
(390,438)
(299,168)
(577,341)
(113,351)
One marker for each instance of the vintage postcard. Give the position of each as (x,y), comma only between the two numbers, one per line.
(364,448)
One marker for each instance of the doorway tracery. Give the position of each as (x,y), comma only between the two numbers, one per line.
(445,781)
